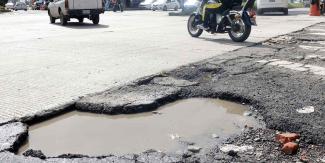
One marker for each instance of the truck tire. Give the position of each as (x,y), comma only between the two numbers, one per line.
(81,20)
(63,19)
(285,11)
(95,19)
(52,19)
(259,12)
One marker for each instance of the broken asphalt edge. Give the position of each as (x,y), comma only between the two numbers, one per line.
(53,112)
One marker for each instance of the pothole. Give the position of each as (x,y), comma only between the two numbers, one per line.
(170,128)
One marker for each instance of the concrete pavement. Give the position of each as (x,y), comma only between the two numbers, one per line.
(43,65)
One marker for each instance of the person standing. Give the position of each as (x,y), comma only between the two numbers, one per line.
(107,3)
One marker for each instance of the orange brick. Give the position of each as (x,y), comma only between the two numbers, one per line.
(286,137)
(290,148)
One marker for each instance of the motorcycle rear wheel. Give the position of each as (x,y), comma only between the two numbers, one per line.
(241,34)
(191,27)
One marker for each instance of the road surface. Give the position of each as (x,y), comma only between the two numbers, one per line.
(45,65)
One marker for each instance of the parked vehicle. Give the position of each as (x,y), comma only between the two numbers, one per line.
(20,6)
(37,4)
(236,23)
(45,5)
(135,3)
(190,6)
(146,4)
(9,6)
(165,5)
(272,6)
(78,9)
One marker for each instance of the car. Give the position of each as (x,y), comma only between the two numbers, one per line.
(9,6)
(78,9)
(20,6)
(272,6)
(44,5)
(190,6)
(146,4)
(37,4)
(135,3)
(165,5)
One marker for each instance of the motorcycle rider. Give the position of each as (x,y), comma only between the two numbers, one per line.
(213,7)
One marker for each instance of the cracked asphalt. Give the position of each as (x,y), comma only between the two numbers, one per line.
(43,65)
(277,78)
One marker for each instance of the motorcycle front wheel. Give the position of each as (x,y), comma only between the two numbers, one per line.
(191,27)
(239,31)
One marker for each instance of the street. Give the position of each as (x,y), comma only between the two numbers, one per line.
(138,88)
(44,65)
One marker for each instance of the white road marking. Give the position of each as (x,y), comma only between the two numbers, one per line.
(321,42)
(314,56)
(323,34)
(306,110)
(317,70)
(316,29)
(308,47)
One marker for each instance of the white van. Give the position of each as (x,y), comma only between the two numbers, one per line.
(272,6)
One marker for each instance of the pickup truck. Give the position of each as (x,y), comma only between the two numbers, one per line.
(78,9)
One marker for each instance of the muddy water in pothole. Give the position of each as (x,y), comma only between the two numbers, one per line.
(193,120)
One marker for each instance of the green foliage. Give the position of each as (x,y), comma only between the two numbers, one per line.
(3,2)
(2,9)
(296,5)
(254,7)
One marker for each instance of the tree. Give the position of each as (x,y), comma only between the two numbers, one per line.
(3,2)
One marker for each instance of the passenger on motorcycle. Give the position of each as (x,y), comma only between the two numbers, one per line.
(211,8)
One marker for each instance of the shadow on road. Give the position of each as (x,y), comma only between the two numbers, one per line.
(227,41)
(77,25)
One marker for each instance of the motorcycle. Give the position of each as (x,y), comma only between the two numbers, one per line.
(322,6)
(237,23)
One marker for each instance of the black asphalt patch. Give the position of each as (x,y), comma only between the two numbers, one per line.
(246,76)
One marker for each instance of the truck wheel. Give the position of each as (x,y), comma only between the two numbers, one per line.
(81,20)
(259,12)
(63,19)
(285,11)
(52,19)
(95,19)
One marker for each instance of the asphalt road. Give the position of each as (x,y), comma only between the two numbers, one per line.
(44,65)
(282,81)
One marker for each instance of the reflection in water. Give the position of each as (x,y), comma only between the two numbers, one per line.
(194,120)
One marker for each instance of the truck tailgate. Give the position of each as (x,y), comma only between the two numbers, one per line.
(85,4)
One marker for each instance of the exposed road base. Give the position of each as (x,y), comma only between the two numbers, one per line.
(282,79)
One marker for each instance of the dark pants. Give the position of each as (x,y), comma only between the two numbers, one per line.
(210,14)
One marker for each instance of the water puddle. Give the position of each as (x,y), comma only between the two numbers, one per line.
(193,120)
